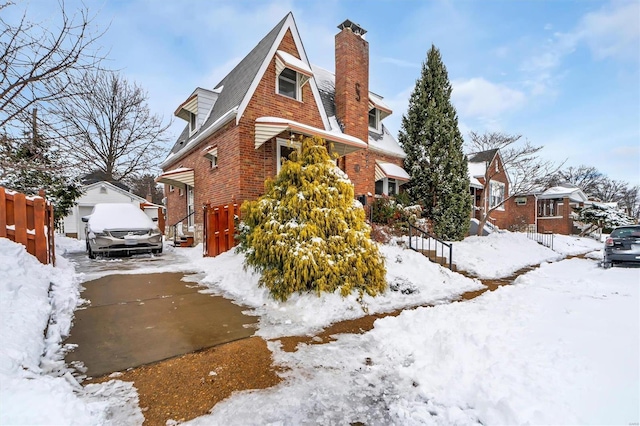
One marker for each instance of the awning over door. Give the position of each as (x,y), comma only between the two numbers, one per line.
(177,177)
(391,171)
(268,127)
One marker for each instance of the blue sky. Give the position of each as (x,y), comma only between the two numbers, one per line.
(564,74)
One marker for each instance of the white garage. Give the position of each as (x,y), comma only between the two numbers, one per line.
(101,192)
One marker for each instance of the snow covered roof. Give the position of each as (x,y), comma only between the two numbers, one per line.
(113,187)
(392,171)
(571,191)
(385,143)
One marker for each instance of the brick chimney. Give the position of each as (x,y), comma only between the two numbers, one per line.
(352,102)
(352,80)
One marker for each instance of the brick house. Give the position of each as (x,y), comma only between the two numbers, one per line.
(238,133)
(546,211)
(489,186)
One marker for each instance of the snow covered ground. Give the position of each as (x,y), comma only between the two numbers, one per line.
(36,310)
(561,345)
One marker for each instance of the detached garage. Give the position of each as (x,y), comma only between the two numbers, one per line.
(102,192)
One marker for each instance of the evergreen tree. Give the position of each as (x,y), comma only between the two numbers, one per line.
(35,167)
(307,233)
(434,147)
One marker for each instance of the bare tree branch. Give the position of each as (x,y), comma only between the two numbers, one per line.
(110,127)
(527,172)
(38,65)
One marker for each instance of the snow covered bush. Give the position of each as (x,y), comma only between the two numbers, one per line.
(308,233)
(602,216)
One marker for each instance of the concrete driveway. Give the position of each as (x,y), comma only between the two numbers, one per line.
(138,319)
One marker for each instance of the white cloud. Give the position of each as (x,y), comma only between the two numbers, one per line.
(399,62)
(478,97)
(613,32)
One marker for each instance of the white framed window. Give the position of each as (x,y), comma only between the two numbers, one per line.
(171,188)
(288,84)
(521,201)
(386,186)
(496,195)
(193,123)
(212,156)
(374,119)
(180,192)
(190,207)
(285,148)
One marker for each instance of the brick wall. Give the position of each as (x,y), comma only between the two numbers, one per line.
(257,165)
(500,216)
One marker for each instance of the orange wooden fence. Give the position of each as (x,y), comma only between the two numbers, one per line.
(219,228)
(28,221)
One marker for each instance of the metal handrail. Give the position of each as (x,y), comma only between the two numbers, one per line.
(437,243)
(543,238)
(175,226)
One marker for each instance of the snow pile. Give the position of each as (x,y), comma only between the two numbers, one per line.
(36,310)
(413,280)
(534,352)
(500,254)
(571,246)
(65,245)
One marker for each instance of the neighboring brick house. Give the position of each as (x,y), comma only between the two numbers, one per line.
(238,133)
(487,166)
(546,211)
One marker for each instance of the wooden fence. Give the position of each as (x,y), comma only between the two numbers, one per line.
(219,228)
(28,221)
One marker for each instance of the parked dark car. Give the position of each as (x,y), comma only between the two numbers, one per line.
(623,245)
(120,228)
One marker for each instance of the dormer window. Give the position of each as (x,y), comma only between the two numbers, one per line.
(193,124)
(288,84)
(291,75)
(374,119)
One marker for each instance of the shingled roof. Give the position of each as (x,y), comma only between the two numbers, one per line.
(483,156)
(235,85)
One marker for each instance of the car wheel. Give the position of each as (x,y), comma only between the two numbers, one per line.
(606,264)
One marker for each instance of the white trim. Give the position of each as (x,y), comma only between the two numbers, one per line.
(289,144)
(113,187)
(297,83)
(289,24)
(216,125)
(378,127)
(504,195)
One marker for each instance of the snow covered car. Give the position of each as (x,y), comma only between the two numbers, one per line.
(120,228)
(623,245)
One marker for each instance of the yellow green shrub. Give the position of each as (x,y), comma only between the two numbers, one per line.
(307,233)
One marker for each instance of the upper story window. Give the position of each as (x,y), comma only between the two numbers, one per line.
(288,84)
(374,119)
(193,124)
(496,195)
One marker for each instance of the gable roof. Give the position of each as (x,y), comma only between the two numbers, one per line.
(236,88)
(484,156)
(100,176)
(113,187)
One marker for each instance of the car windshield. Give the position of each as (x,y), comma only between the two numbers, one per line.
(626,232)
(118,216)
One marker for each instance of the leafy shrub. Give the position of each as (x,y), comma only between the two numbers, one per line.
(307,233)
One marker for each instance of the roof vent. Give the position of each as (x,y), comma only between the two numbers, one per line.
(357,29)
